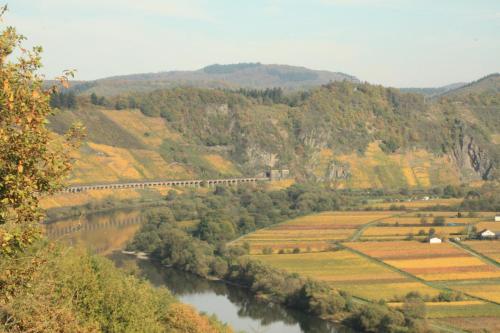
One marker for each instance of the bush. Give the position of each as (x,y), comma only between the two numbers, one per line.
(439,221)
(72,291)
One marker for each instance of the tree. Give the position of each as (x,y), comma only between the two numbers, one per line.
(439,221)
(94,99)
(30,165)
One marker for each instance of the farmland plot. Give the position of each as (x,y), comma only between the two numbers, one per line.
(488,248)
(489,290)
(431,262)
(394,232)
(349,271)
(313,232)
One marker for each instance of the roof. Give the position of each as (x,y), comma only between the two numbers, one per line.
(487,231)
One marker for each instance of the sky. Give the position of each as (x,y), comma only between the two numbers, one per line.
(400,43)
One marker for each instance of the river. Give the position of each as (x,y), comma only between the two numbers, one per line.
(108,233)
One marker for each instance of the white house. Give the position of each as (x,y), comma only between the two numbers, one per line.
(497,218)
(435,240)
(487,234)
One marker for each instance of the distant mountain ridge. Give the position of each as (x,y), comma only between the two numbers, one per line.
(489,83)
(231,76)
(434,91)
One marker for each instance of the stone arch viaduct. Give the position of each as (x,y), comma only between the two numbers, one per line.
(163,183)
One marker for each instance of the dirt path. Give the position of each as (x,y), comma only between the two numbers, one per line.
(359,232)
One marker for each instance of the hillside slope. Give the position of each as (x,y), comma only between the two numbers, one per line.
(489,84)
(348,134)
(244,75)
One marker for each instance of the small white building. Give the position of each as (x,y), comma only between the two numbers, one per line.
(487,234)
(497,218)
(435,240)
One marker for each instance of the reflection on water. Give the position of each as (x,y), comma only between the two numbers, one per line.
(231,304)
(108,233)
(102,232)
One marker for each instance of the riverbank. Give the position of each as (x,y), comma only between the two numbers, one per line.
(231,302)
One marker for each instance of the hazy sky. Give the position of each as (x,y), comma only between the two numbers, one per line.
(392,42)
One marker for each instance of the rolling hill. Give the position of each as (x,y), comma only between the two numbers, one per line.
(243,75)
(349,134)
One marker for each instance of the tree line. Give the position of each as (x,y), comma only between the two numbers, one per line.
(227,213)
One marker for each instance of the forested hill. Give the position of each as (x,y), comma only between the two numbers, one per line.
(489,84)
(349,134)
(243,75)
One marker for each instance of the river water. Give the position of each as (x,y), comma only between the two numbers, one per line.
(108,233)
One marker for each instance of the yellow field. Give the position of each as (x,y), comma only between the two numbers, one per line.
(493,226)
(313,232)
(348,271)
(489,291)
(431,262)
(490,249)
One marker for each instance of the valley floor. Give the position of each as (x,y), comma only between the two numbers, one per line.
(383,256)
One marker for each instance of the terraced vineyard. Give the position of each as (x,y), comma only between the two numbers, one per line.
(349,271)
(417,226)
(311,233)
(430,262)
(370,255)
